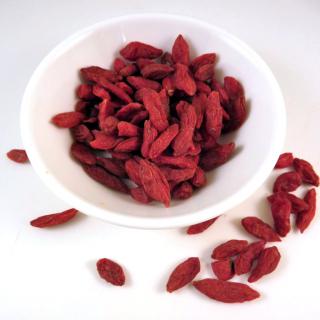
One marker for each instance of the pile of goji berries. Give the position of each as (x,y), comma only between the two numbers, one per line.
(154,120)
(238,257)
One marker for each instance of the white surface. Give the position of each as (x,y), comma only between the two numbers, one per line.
(50,274)
(262,135)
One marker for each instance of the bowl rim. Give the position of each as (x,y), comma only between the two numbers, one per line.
(151,222)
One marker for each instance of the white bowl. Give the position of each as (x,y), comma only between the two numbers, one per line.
(51,90)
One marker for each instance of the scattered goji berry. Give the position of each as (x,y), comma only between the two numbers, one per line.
(288,181)
(306,171)
(260,229)
(297,204)
(268,261)
(202,226)
(225,291)
(285,160)
(304,218)
(229,249)
(223,269)
(18,155)
(54,219)
(183,274)
(244,261)
(111,271)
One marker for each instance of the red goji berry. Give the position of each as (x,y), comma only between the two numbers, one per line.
(103,142)
(306,171)
(304,218)
(182,191)
(128,129)
(94,74)
(224,291)
(142,62)
(128,145)
(259,229)
(118,64)
(68,119)
(83,153)
(288,181)
(114,166)
(135,50)
(180,51)
(81,133)
(213,115)
(204,72)
(54,219)
(297,204)
(285,160)
(139,195)
(111,271)
(141,83)
(132,168)
(18,155)
(229,249)
(129,70)
(223,269)
(199,179)
(183,80)
(156,71)
(268,261)
(206,58)
(202,226)
(183,274)
(177,175)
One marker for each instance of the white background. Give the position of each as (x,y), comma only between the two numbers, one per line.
(50,274)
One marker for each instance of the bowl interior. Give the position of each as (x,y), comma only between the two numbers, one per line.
(51,90)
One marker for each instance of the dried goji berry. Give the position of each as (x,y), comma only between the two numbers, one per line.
(128,145)
(84,91)
(140,83)
(128,129)
(125,87)
(18,155)
(119,92)
(202,226)
(156,109)
(139,195)
(304,218)
(114,166)
(81,106)
(139,117)
(206,58)
(260,229)
(109,125)
(100,92)
(167,58)
(267,262)
(229,249)
(132,168)
(127,111)
(225,291)
(154,182)
(199,102)
(162,142)
(111,271)
(306,171)
(156,71)
(135,50)
(183,274)
(142,62)
(223,269)
(105,178)
(202,87)
(177,175)
(118,64)
(129,70)
(183,80)
(216,156)
(297,204)
(204,72)
(168,85)
(180,51)
(149,135)
(68,119)
(54,219)
(199,179)
(288,181)
(224,98)
(213,115)
(82,153)
(81,133)
(236,111)
(182,191)
(103,142)
(281,209)
(120,155)
(95,73)
(233,88)
(285,160)
(179,162)
(244,261)
(105,110)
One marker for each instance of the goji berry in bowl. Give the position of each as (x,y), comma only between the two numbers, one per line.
(51,91)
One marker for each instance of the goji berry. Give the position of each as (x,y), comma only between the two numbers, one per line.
(213,115)
(118,64)
(141,83)
(204,72)
(177,175)
(306,171)
(223,269)
(103,141)
(183,274)
(182,191)
(54,219)
(150,133)
(183,80)
(128,145)
(202,226)
(224,291)
(83,153)
(288,181)
(156,71)
(268,261)
(128,129)
(297,204)
(129,70)
(260,229)
(132,168)
(114,166)
(139,195)
(244,261)
(94,74)
(135,50)
(206,58)
(18,155)
(111,271)
(68,119)
(84,91)
(233,88)
(81,133)
(179,162)
(229,249)
(304,218)
(199,179)
(180,51)
(128,111)
(285,160)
